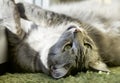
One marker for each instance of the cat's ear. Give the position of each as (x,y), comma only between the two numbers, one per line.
(99,66)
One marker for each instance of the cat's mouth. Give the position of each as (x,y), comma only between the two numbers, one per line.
(58,72)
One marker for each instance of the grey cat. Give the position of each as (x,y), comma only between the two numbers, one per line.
(57,44)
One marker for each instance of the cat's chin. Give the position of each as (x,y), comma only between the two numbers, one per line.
(59,73)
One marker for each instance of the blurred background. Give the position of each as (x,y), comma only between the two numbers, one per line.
(47,3)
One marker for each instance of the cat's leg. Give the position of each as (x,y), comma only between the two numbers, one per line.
(41,16)
(9,17)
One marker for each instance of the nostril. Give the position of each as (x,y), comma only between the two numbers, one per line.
(53,68)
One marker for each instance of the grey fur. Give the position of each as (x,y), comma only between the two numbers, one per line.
(57,19)
(102,41)
(80,47)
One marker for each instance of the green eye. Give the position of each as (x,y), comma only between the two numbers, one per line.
(67,47)
(87,45)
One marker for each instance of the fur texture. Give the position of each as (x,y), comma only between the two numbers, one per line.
(62,44)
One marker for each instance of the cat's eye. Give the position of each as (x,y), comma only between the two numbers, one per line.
(67,47)
(87,45)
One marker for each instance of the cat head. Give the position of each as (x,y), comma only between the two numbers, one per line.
(75,51)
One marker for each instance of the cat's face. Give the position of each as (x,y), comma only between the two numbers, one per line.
(73,52)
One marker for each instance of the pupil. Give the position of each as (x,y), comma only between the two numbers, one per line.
(68,46)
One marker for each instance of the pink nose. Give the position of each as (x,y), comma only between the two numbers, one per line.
(79,30)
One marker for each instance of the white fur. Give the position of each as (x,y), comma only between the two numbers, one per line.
(43,38)
(26,25)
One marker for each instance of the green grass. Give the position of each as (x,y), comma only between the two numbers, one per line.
(89,77)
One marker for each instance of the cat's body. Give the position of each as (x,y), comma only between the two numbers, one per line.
(59,45)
